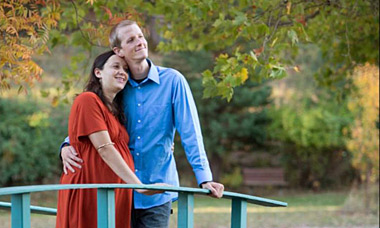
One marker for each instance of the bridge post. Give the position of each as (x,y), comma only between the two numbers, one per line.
(239,213)
(20,210)
(106,208)
(185,210)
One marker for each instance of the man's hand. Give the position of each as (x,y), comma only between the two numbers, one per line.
(70,158)
(215,188)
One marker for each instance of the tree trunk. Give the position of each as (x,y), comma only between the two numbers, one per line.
(217,166)
(153,38)
(366,189)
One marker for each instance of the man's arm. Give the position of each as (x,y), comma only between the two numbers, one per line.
(69,156)
(187,125)
(65,142)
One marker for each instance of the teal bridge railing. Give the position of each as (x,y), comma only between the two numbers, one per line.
(21,209)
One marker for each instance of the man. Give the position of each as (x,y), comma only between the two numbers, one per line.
(157,102)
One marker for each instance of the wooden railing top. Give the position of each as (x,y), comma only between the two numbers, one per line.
(230,195)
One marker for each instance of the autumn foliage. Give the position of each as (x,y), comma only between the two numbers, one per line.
(24,33)
(364,142)
(259,39)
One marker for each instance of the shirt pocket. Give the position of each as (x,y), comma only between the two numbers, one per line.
(160,117)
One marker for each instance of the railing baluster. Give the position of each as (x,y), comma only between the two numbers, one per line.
(239,213)
(185,210)
(106,208)
(20,210)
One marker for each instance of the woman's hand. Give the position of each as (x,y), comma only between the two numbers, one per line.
(150,192)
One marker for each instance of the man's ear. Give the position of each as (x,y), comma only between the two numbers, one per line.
(118,52)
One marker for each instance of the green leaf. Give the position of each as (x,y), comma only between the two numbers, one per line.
(262,29)
(277,72)
(240,18)
(293,37)
(253,56)
(208,79)
(44,93)
(20,89)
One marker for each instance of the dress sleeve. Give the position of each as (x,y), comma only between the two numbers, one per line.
(87,115)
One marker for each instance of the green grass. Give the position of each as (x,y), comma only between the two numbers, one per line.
(306,209)
(311,199)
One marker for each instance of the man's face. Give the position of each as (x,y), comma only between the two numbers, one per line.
(133,44)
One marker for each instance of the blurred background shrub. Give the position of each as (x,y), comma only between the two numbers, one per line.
(30,135)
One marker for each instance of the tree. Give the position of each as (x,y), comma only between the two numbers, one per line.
(309,128)
(263,37)
(311,133)
(364,140)
(227,127)
(29,134)
(235,126)
(249,39)
(24,33)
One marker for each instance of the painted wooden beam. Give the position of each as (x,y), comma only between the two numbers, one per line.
(239,213)
(33,209)
(20,210)
(185,210)
(106,208)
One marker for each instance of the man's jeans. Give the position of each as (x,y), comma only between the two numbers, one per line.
(155,217)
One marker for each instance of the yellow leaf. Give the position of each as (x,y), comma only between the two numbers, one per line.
(168,34)
(55,101)
(274,42)
(223,56)
(244,74)
(90,1)
(288,7)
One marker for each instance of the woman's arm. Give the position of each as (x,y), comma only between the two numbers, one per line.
(114,160)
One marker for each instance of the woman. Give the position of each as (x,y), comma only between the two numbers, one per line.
(98,135)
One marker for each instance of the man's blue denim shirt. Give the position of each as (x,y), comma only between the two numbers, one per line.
(155,109)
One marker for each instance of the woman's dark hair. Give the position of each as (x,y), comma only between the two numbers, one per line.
(93,85)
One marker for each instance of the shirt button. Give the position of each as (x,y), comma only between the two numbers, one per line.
(137,154)
(139,87)
(138,137)
(136,170)
(138,121)
(139,104)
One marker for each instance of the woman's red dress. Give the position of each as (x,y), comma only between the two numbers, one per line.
(77,208)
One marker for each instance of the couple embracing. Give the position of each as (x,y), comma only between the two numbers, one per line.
(121,130)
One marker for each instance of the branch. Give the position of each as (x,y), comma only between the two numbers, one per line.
(276,26)
(290,23)
(80,29)
(348,44)
(280,5)
(267,38)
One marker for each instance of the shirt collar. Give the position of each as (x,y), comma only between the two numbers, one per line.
(152,75)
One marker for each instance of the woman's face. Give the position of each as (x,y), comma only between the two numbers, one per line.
(114,75)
